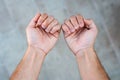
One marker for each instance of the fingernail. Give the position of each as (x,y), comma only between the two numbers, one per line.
(51,32)
(81,25)
(76,27)
(72,30)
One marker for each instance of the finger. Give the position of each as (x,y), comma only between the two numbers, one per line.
(66,30)
(89,23)
(56,29)
(34,20)
(42,18)
(74,22)
(80,20)
(68,23)
(47,22)
(51,25)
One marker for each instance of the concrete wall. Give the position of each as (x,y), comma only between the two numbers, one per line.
(60,63)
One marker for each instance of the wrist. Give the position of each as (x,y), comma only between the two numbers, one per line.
(83,52)
(36,50)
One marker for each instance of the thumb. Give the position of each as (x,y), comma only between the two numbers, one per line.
(89,23)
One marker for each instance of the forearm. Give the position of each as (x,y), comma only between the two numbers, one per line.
(30,65)
(90,66)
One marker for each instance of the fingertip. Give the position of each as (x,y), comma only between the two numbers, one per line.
(88,21)
(82,24)
(72,30)
(65,29)
(43,26)
(76,27)
(38,13)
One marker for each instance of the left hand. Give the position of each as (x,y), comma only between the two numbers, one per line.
(79,33)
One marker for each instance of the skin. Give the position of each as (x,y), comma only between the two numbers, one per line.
(38,40)
(38,36)
(80,35)
(43,32)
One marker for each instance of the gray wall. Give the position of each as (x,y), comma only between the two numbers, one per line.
(60,63)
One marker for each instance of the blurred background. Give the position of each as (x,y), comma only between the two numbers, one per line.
(60,63)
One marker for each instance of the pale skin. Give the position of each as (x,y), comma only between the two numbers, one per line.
(80,35)
(40,42)
(43,32)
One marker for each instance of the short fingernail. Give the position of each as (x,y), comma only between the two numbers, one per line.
(38,24)
(81,25)
(76,27)
(72,30)
(51,32)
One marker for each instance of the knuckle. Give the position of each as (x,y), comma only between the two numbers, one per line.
(72,17)
(79,15)
(44,14)
(49,19)
(41,19)
(46,21)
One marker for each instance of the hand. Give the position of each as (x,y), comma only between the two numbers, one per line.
(43,32)
(79,33)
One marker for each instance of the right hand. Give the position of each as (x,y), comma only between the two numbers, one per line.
(43,32)
(79,33)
